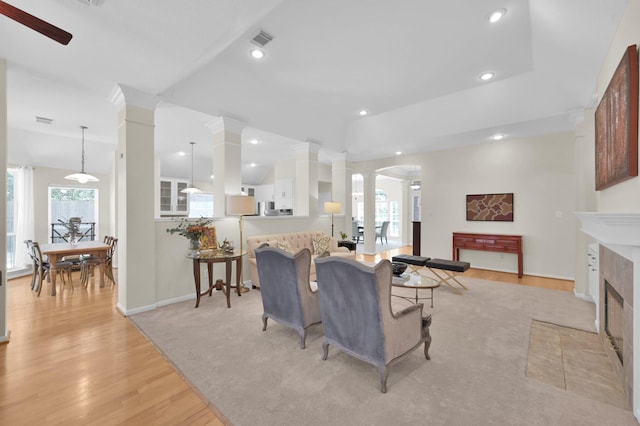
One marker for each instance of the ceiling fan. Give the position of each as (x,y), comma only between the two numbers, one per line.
(36,24)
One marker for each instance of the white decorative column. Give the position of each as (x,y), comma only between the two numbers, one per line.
(227,150)
(4,326)
(369,197)
(306,180)
(407,213)
(135,223)
(341,190)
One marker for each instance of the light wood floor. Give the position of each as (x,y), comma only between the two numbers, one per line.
(73,359)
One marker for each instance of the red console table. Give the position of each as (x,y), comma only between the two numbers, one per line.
(489,242)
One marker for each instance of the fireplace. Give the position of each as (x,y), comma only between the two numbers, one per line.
(613,320)
(616,314)
(618,237)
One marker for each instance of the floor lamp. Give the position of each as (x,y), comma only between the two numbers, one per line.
(241,205)
(333,208)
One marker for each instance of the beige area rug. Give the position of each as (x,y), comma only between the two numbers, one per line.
(476,375)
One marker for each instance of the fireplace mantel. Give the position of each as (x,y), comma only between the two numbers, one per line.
(617,229)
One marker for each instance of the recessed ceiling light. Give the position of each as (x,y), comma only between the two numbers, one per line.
(398,152)
(487,76)
(497,15)
(182,153)
(497,137)
(257,54)
(254,141)
(363,112)
(253,164)
(211,176)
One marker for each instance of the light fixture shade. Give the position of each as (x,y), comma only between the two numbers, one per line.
(415,185)
(240,205)
(190,190)
(82,177)
(332,207)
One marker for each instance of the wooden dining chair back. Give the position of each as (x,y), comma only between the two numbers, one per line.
(43,269)
(109,260)
(32,256)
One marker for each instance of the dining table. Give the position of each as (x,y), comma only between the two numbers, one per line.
(56,251)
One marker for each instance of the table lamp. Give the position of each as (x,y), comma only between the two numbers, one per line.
(241,205)
(333,208)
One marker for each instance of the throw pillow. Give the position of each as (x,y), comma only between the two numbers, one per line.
(284,245)
(321,244)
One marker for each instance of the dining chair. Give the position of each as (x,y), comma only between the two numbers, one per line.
(32,255)
(109,260)
(383,232)
(88,263)
(43,269)
(356,231)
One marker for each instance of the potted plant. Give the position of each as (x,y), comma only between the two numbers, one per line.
(343,235)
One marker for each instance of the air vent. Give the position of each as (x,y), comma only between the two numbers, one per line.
(261,38)
(43,120)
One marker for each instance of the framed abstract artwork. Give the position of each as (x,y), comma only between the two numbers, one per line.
(616,123)
(490,207)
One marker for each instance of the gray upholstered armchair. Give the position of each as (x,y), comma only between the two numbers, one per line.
(286,294)
(355,303)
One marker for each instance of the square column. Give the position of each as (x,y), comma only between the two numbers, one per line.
(227,151)
(135,224)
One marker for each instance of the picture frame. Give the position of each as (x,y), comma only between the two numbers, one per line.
(490,207)
(209,240)
(616,125)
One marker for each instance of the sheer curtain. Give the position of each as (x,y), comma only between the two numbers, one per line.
(23,199)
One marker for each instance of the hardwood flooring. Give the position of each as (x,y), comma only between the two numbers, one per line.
(74,359)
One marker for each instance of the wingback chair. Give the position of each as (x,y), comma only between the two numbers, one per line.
(355,304)
(286,294)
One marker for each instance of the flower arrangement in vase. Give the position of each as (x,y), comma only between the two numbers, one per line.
(192,230)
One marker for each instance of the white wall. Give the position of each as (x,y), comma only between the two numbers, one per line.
(540,173)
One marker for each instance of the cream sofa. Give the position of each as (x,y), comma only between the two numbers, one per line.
(296,241)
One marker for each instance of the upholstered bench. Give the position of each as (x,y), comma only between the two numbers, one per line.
(447,267)
(415,262)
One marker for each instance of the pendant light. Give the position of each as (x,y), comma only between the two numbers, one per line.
(82,177)
(191,188)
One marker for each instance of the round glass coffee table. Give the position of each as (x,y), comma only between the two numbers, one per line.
(417,282)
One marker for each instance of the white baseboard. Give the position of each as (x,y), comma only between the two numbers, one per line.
(127,312)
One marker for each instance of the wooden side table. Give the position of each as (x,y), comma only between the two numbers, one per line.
(211,257)
(351,245)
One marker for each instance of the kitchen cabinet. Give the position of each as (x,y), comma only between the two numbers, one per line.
(172,201)
(284,194)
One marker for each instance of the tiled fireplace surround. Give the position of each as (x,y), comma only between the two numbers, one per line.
(619,262)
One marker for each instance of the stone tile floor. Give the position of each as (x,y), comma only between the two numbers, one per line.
(574,360)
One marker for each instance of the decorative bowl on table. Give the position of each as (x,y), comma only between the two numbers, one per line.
(398,268)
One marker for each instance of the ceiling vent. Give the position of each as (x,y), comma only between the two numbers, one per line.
(261,38)
(44,120)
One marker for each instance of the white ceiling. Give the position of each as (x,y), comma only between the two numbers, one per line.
(413,64)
